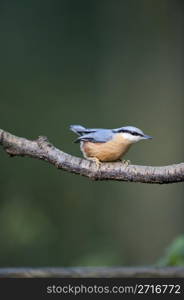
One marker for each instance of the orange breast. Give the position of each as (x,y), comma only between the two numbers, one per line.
(109,151)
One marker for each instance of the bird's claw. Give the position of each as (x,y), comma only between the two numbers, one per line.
(96,161)
(126,162)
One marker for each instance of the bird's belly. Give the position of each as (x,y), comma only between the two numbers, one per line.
(108,151)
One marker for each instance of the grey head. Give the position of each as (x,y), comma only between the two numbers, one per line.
(132,133)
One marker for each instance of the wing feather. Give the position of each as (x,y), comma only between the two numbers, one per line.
(99,136)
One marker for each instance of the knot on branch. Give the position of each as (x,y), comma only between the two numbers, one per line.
(43,142)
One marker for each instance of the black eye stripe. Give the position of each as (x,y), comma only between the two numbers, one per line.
(136,133)
(131,132)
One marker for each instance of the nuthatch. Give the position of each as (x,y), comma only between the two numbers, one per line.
(103,145)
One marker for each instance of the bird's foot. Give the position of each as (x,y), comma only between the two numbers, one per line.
(126,162)
(96,161)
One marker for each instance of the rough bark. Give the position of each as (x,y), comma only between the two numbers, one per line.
(94,272)
(44,150)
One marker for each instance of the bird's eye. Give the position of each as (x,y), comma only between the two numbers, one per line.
(136,133)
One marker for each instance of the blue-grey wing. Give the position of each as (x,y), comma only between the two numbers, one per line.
(99,136)
(81,130)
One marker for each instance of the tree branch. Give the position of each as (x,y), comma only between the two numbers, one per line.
(44,150)
(94,272)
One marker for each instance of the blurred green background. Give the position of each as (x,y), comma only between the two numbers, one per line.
(99,64)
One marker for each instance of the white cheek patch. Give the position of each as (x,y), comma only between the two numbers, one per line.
(131,138)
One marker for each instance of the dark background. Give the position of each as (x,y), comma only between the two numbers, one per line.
(99,64)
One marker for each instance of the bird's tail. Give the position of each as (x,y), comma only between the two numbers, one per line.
(78,129)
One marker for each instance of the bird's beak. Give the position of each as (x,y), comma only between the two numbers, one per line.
(147,137)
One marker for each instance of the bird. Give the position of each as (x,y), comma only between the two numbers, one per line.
(107,145)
